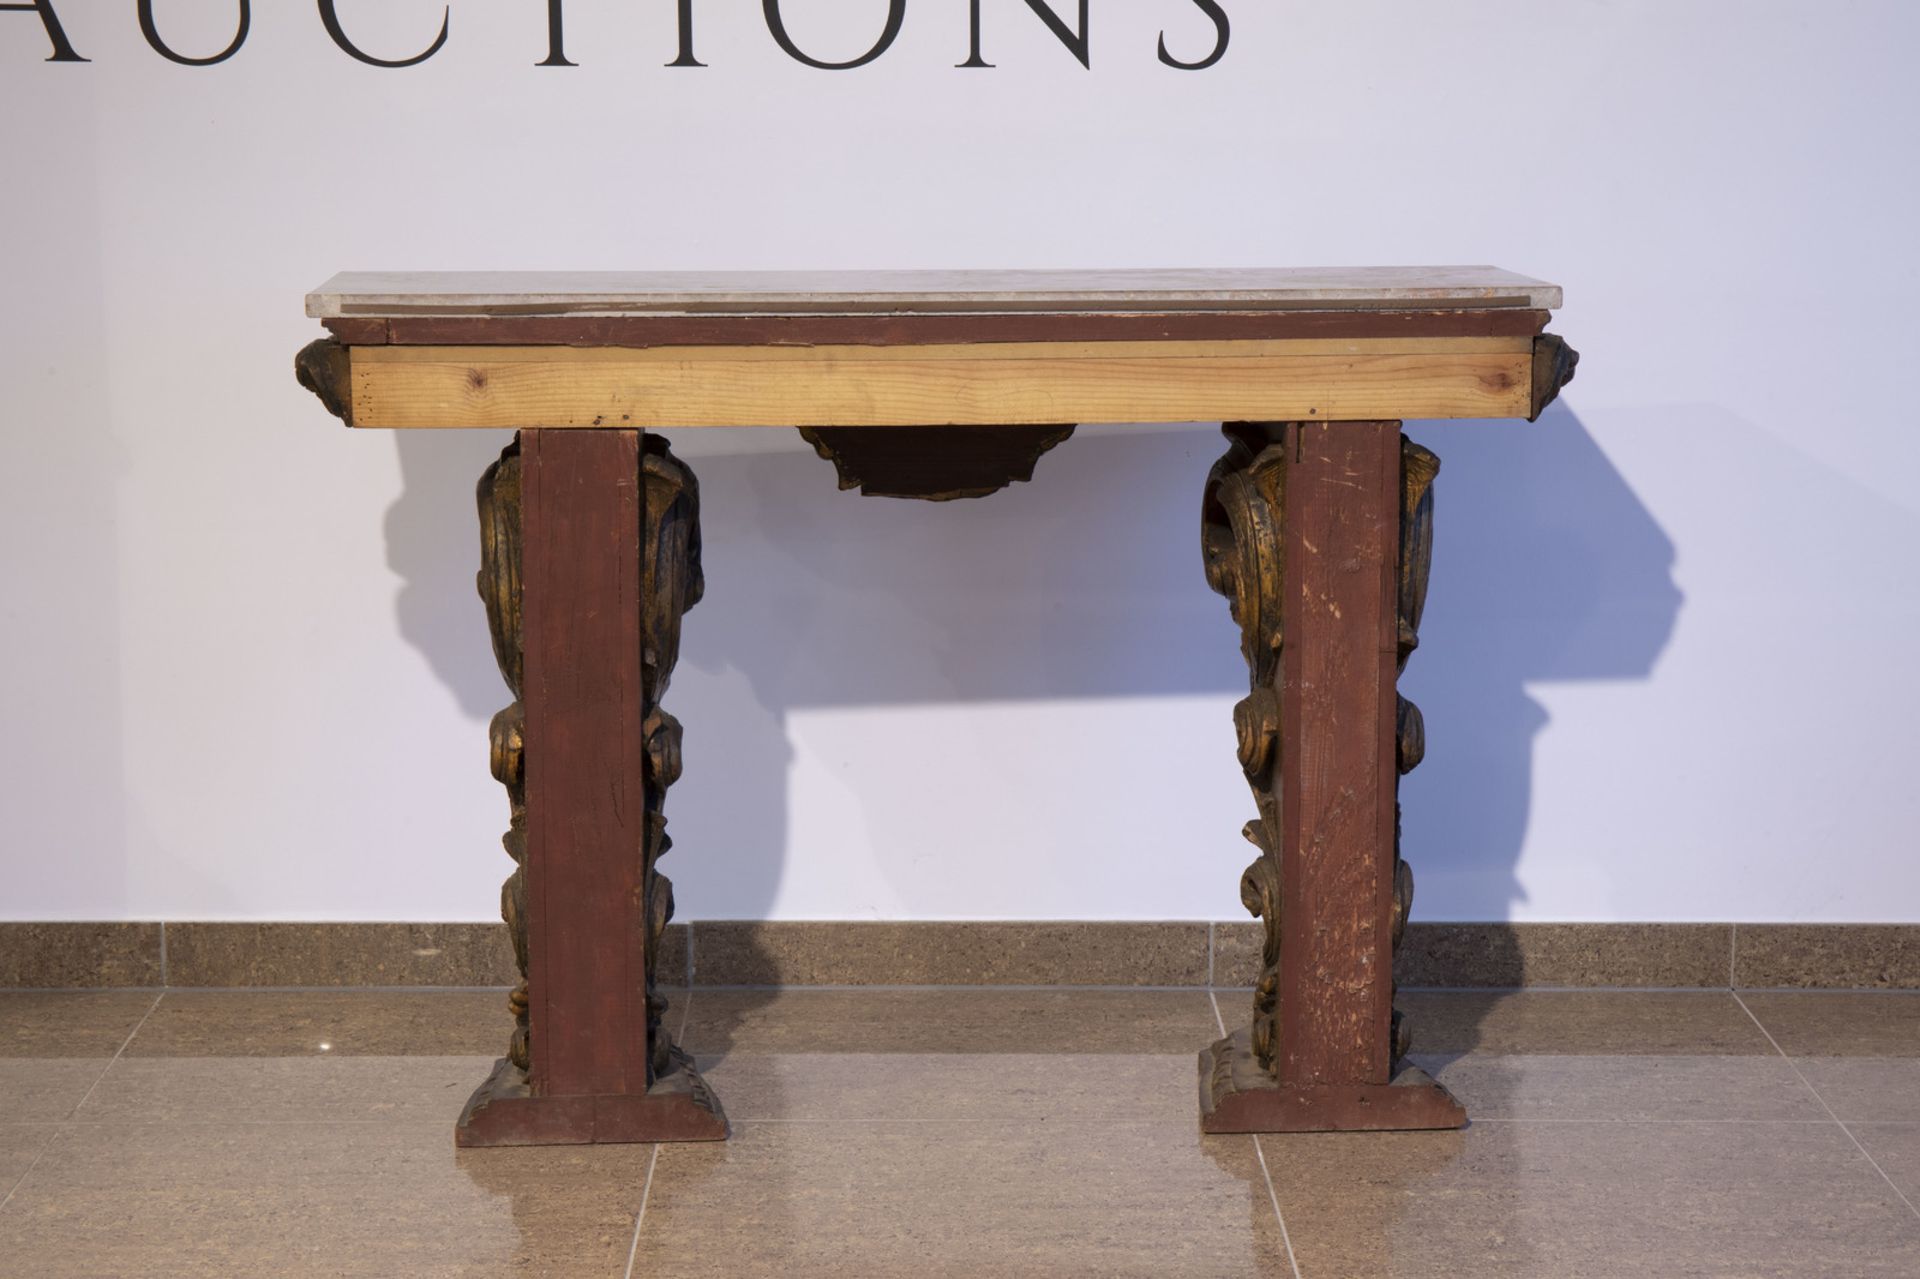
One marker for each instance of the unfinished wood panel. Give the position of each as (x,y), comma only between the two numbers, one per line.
(1341,584)
(585,760)
(435,387)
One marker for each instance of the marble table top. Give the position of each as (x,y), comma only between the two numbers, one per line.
(575,293)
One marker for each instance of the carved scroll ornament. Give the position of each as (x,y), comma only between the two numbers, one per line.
(1242,515)
(671,584)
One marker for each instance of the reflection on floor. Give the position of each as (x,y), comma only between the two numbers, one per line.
(961,1132)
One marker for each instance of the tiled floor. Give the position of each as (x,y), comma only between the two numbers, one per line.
(961,1132)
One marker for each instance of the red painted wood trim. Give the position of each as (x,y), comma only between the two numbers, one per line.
(1341,540)
(908,330)
(580,578)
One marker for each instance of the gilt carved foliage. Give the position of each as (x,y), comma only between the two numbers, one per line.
(1242,519)
(499,582)
(1418,466)
(671,584)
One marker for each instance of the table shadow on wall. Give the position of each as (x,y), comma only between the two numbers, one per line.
(1085,582)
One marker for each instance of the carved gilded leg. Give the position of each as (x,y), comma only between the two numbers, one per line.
(590,556)
(1241,514)
(1317,534)
(499,582)
(672,583)
(1418,466)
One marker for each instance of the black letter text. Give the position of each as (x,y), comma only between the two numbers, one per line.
(1076,41)
(686,58)
(1213,10)
(62,51)
(556,46)
(332,19)
(152,33)
(896,12)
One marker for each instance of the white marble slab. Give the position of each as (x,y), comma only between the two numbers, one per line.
(403,293)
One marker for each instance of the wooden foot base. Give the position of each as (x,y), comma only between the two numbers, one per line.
(504,1112)
(1237,1095)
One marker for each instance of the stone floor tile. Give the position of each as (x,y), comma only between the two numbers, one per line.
(20,1145)
(1869,1089)
(950,1021)
(147,1090)
(1578,1199)
(961,1199)
(1896,1149)
(336,1023)
(1582,1023)
(910,1087)
(1653,1087)
(319,1199)
(43,1090)
(1825,1023)
(70,1023)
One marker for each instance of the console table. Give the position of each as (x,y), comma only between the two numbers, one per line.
(1316,525)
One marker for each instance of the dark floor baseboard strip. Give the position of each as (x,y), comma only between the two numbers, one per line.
(715,953)
(60,955)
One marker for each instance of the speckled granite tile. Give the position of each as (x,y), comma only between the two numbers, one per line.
(1510,955)
(880,1200)
(296,1023)
(77,1023)
(372,1199)
(1580,1199)
(1236,954)
(346,1089)
(1831,956)
(1582,1022)
(737,953)
(1437,954)
(1839,1023)
(53,955)
(339,955)
(949,1021)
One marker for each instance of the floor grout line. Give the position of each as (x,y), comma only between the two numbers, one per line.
(633,1248)
(1733,957)
(54,1128)
(1795,1067)
(163,954)
(124,1045)
(680,1033)
(1273,1196)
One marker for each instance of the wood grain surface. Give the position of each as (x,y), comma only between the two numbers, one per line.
(959,384)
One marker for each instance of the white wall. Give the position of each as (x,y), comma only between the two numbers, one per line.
(1666,667)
